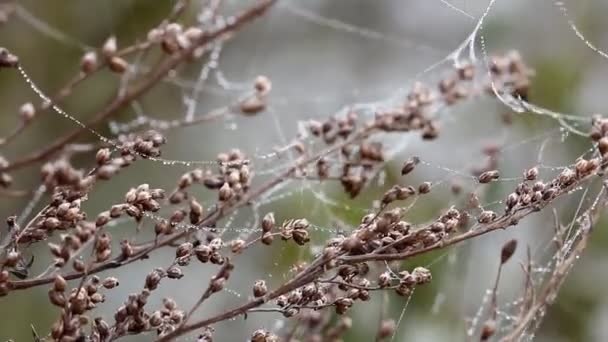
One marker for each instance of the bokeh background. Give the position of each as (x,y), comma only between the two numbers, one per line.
(322,56)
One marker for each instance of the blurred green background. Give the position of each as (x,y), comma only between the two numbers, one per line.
(322,56)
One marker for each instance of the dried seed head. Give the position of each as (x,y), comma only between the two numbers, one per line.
(507,251)
(409,165)
(488,176)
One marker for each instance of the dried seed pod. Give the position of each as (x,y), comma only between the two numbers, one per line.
(225,192)
(217,285)
(7,59)
(424,188)
(602,145)
(409,165)
(531,174)
(487,216)
(174,272)
(259,288)
(88,63)
(185,249)
(109,48)
(236,246)
(103,156)
(110,283)
(507,251)
(387,329)
(268,222)
(262,85)
(252,105)
(118,65)
(102,219)
(488,176)
(511,201)
(59,284)
(267,238)
(488,330)
(27,112)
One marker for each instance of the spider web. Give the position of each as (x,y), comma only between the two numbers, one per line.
(331,213)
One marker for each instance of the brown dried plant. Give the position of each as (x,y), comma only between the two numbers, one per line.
(348,150)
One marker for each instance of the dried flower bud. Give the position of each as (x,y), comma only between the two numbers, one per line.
(267,238)
(152,280)
(387,329)
(102,219)
(236,246)
(27,112)
(259,336)
(185,249)
(110,283)
(103,156)
(262,85)
(7,59)
(88,63)
(59,284)
(109,47)
(424,188)
(507,251)
(421,275)
(225,193)
(252,105)
(488,176)
(57,298)
(174,272)
(217,285)
(259,288)
(384,280)
(118,65)
(409,165)
(268,222)
(488,330)
(602,145)
(531,174)
(486,216)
